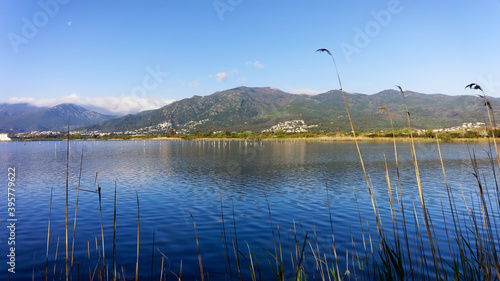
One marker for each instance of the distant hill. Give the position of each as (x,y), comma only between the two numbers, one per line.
(16,109)
(17,118)
(241,109)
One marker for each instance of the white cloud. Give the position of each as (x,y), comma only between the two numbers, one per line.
(309,92)
(221,76)
(195,84)
(110,105)
(256,64)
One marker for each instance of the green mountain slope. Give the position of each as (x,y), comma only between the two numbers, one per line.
(257,109)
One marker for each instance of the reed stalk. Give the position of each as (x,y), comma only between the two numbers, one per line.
(420,192)
(448,191)
(225,251)
(403,218)
(33,269)
(152,255)
(254,276)
(98,259)
(391,204)
(331,228)
(235,246)
(197,247)
(272,231)
(76,211)
(88,255)
(55,259)
(137,260)
(282,274)
(67,187)
(301,257)
(362,231)
(161,272)
(102,225)
(48,237)
(113,274)
(355,141)
(491,119)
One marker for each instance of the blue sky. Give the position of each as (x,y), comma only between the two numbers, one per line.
(134,55)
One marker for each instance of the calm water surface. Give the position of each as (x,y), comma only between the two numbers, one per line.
(208,180)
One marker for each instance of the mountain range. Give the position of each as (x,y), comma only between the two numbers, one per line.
(257,109)
(22,117)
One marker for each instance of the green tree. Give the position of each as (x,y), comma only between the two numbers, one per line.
(429,134)
(172,132)
(471,134)
(279,133)
(248,133)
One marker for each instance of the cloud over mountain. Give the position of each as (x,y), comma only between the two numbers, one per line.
(111,105)
(309,92)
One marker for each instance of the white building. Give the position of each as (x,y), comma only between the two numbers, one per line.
(5,137)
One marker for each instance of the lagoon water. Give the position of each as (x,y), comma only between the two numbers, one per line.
(209,180)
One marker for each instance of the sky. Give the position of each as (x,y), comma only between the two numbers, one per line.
(128,56)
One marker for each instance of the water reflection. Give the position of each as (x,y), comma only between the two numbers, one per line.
(175,178)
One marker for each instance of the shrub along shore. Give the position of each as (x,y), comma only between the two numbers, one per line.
(401,136)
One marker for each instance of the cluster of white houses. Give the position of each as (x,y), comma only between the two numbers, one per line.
(294,126)
(5,137)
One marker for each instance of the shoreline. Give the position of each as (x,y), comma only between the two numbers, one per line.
(298,139)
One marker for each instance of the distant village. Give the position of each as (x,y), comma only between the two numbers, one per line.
(465,126)
(293,126)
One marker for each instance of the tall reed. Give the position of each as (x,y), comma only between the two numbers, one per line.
(420,192)
(137,259)
(76,211)
(355,141)
(67,187)
(113,273)
(491,118)
(198,247)
(102,225)
(48,237)
(402,209)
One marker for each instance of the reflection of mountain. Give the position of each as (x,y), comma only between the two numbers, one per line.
(25,118)
(241,109)
(290,153)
